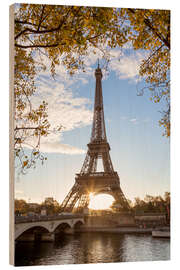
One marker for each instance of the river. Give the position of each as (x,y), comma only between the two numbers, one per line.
(93,248)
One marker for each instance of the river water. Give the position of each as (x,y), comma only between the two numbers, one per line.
(93,248)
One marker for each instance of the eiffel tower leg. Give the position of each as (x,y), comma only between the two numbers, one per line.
(71,199)
(83,201)
(120,199)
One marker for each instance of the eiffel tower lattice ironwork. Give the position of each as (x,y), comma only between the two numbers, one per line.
(89,180)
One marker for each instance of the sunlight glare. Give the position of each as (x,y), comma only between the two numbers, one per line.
(100,202)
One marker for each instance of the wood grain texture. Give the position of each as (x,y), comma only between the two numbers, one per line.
(11,137)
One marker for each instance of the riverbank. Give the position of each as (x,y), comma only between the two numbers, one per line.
(122,229)
(115,230)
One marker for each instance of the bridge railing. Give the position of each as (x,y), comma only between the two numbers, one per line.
(24,219)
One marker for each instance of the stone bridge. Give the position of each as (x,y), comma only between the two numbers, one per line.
(45,228)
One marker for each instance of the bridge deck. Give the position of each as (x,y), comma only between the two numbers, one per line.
(23,219)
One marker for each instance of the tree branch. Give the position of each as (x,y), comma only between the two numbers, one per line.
(148,23)
(37,46)
(28,23)
(25,128)
(146,62)
(41,18)
(38,32)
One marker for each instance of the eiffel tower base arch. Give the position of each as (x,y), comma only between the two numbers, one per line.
(96,183)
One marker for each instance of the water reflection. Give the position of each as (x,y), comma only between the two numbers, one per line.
(145,248)
(93,248)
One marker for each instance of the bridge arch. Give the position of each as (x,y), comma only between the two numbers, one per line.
(78,224)
(30,228)
(62,226)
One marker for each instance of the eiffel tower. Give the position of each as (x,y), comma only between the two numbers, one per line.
(89,180)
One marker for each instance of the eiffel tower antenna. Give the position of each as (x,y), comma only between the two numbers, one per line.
(89,180)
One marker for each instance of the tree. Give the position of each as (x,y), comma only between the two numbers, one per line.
(51,206)
(151,32)
(67,31)
(167,197)
(29,122)
(153,203)
(139,205)
(20,206)
(64,34)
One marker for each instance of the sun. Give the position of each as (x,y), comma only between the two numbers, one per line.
(100,202)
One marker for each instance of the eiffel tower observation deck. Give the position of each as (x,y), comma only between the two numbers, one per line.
(89,180)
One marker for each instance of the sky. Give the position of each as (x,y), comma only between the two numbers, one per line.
(139,152)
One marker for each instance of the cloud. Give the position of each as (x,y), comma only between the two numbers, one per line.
(56,147)
(65,108)
(52,144)
(126,62)
(133,120)
(127,67)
